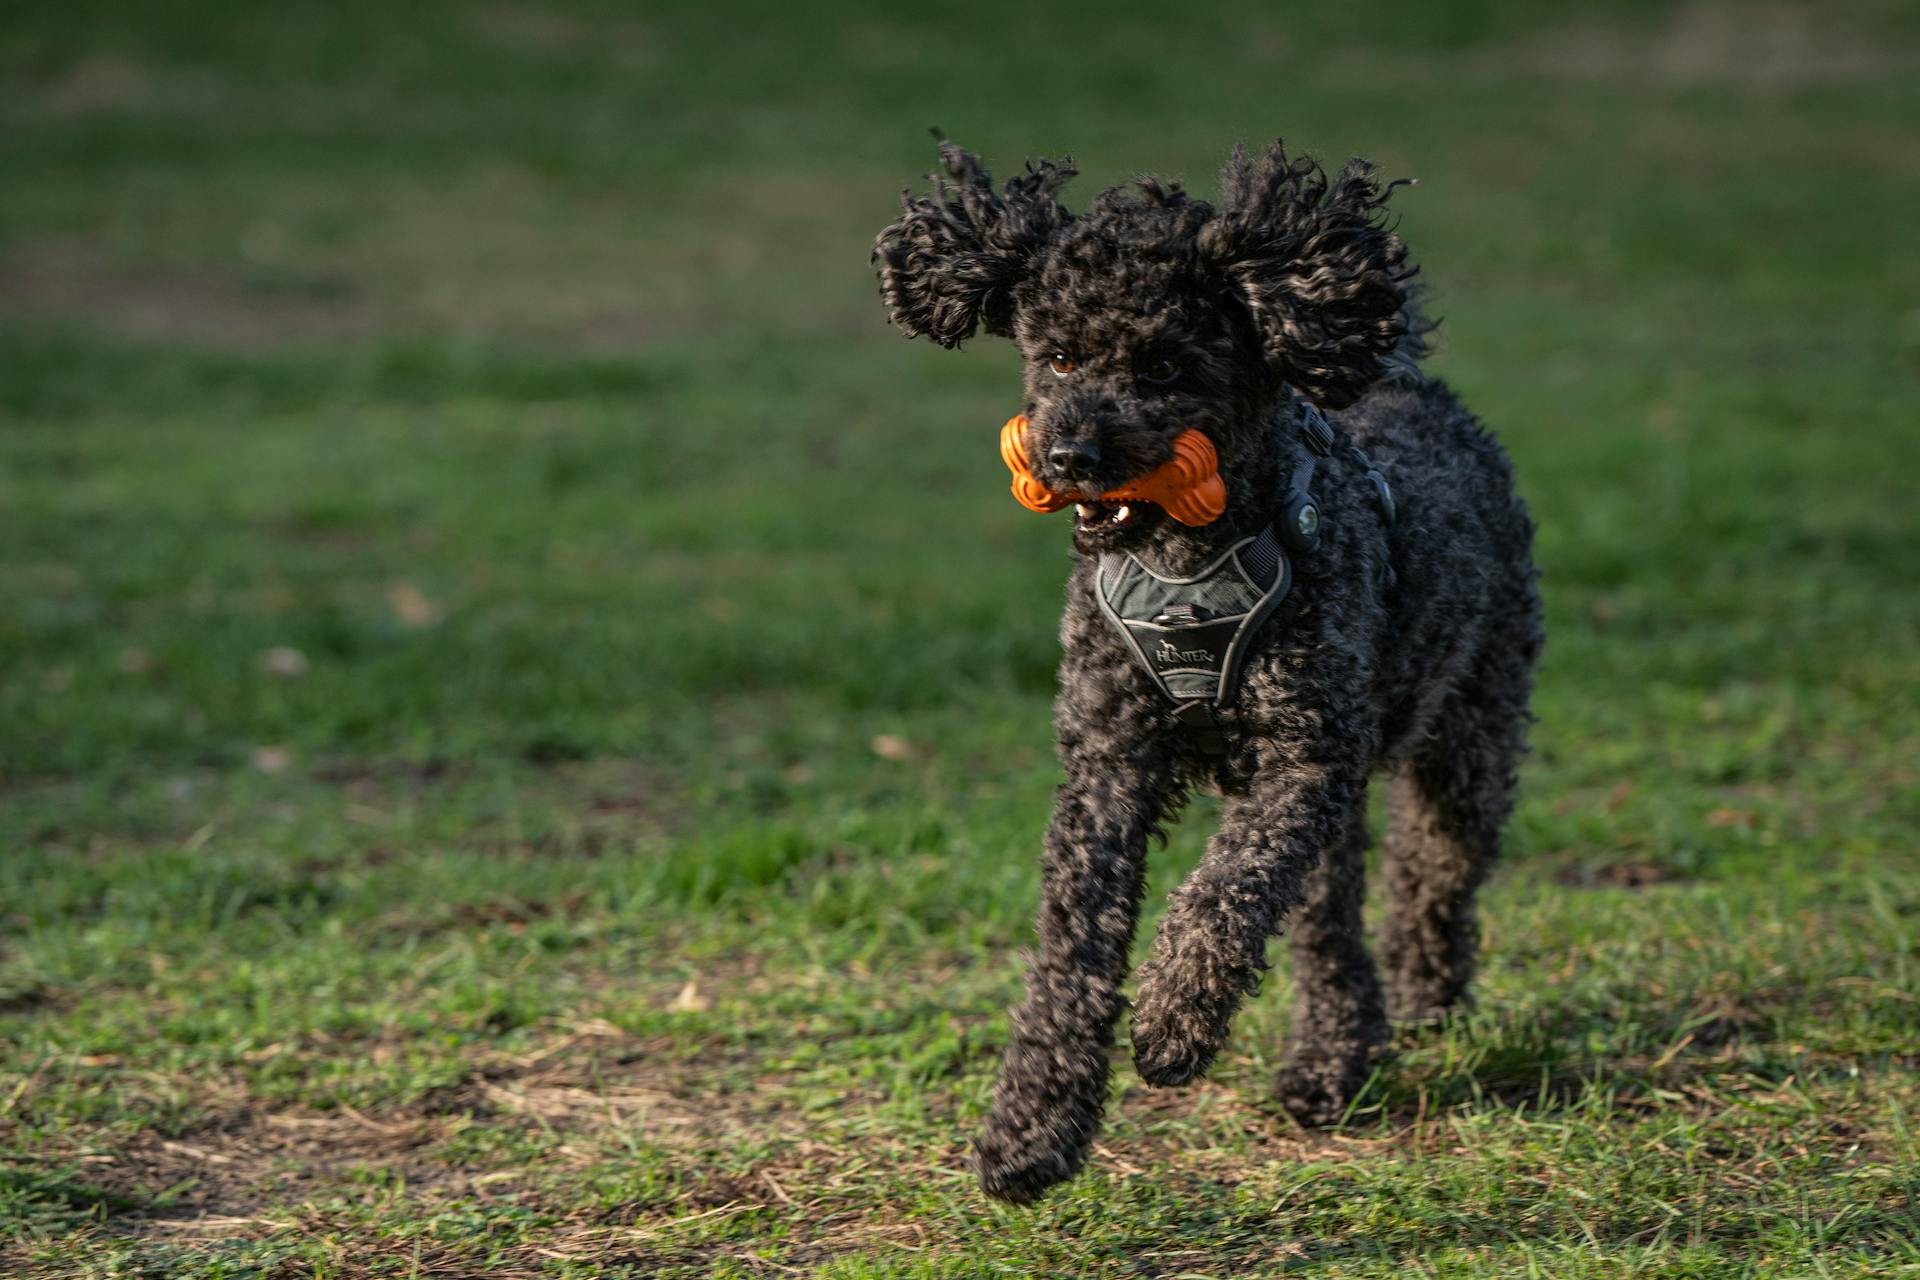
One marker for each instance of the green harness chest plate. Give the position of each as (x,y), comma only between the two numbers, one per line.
(1191,634)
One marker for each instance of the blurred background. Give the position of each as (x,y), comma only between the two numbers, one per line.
(500,639)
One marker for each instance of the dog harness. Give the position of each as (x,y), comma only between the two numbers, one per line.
(1191,634)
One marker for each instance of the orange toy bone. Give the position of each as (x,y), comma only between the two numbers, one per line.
(1187,485)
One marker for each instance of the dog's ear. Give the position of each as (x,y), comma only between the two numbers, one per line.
(1317,264)
(949,264)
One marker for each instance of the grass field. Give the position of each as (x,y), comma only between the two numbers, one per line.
(523,704)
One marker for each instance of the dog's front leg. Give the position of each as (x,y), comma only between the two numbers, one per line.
(1053,1078)
(1212,946)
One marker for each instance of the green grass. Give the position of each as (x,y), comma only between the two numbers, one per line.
(523,705)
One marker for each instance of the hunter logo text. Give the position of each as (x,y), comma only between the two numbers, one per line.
(1167,653)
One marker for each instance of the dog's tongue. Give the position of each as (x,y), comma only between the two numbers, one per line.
(1186,486)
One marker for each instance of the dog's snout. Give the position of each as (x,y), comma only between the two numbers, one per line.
(1074,459)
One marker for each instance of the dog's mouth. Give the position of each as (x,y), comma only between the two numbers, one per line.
(1105,515)
(1103,522)
(1187,486)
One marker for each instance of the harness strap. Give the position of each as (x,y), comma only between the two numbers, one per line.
(1319,436)
(1199,716)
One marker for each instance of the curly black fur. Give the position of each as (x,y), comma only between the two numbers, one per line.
(1411,651)
(950,264)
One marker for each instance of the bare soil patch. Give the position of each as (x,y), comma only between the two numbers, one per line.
(79,285)
(1616,875)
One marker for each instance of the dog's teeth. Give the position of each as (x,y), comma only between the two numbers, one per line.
(1086,512)
(1120,515)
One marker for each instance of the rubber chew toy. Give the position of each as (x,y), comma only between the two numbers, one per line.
(1187,485)
(1027,489)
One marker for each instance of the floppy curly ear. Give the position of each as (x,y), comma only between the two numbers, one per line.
(950,263)
(1314,260)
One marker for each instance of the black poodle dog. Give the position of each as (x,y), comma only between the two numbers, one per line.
(1357,596)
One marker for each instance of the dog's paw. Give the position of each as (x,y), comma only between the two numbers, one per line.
(1316,1096)
(1018,1173)
(1169,1060)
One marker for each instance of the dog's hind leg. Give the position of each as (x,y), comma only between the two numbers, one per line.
(1339,1016)
(1053,1078)
(1212,946)
(1449,803)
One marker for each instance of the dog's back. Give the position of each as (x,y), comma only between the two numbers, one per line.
(1460,547)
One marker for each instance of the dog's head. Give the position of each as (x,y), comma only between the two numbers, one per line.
(1151,313)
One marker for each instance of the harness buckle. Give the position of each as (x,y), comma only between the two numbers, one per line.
(1315,429)
(1181,614)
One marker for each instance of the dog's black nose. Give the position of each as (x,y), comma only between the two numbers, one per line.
(1074,460)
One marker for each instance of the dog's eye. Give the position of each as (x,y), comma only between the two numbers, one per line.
(1159,371)
(1061,363)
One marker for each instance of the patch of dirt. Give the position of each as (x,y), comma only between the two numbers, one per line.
(70,282)
(30,999)
(531,27)
(508,912)
(1771,46)
(351,773)
(1617,875)
(240,1160)
(103,83)
(617,801)
(1767,47)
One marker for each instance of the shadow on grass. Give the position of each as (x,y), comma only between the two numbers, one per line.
(57,1199)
